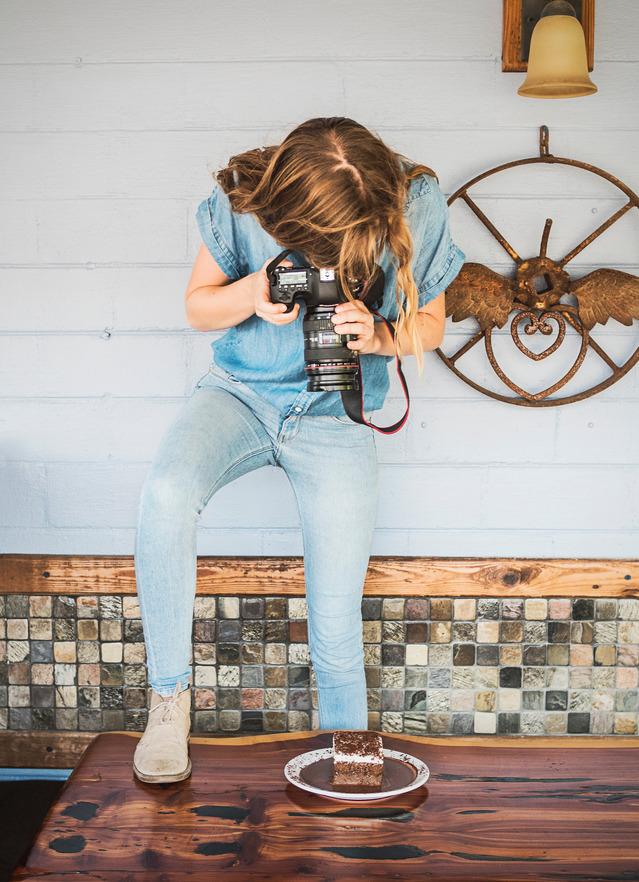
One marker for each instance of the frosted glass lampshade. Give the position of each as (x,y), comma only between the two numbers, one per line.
(557,62)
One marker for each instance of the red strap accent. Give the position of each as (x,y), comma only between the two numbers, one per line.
(394,427)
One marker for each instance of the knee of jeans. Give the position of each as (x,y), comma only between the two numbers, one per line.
(337,655)
(165,493)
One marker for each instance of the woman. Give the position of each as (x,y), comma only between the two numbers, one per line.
(335,192)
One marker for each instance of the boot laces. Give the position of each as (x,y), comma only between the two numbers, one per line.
(169,708)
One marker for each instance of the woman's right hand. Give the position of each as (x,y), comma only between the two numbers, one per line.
(275,313)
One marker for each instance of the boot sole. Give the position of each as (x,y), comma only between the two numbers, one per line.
(162,779)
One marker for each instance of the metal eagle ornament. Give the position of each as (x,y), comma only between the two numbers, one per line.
(490,298)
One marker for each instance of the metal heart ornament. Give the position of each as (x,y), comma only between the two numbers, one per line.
(538,323)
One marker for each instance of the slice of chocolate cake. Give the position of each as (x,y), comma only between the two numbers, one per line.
(358,760)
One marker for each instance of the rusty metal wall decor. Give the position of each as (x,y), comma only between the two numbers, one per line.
(490,298)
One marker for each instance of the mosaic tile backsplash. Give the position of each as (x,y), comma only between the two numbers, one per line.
(433,666)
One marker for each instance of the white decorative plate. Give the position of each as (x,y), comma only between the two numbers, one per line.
(312,771)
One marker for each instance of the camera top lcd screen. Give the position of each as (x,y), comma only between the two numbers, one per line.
(293,278)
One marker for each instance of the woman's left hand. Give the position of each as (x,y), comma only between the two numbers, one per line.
(355,318)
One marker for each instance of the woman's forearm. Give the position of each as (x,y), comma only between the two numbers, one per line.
(213,307)
(429,330)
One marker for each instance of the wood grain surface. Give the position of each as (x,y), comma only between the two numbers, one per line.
(391,576)
(42,749)
(493,809)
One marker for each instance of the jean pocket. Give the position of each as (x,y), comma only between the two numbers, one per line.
(214,372)
(200,382)
(222,373)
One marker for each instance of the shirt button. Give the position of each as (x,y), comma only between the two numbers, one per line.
(297,409)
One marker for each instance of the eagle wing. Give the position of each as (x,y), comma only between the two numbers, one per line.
(606,293)
(480,292)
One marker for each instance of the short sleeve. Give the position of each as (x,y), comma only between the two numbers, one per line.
(437,259)
(219,230)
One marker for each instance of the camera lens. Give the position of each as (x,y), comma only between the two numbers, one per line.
(329,364)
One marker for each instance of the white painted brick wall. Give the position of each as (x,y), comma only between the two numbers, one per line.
(113,116)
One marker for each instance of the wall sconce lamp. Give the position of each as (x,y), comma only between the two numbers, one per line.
(553,42)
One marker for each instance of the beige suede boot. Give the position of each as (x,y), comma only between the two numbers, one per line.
(162,753)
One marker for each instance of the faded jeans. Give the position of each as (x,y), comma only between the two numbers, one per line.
(224,430)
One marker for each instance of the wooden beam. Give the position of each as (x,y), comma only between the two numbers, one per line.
(54,749)
(32,749)
(391,576)
(489,741)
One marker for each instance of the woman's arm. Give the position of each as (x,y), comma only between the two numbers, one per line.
(213,301)
(374,338)
(431,321)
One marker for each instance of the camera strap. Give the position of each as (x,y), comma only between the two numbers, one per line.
(353,399)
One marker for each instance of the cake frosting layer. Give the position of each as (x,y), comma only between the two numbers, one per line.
(358,758)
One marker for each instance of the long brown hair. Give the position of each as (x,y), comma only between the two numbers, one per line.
(335,191)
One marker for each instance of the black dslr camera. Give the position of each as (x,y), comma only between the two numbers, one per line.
(329,364)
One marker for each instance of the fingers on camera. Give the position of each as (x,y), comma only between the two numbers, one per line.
(287,317)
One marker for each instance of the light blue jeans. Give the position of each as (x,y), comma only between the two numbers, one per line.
(224,430)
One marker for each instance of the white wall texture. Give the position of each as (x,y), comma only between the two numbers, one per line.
(113,117)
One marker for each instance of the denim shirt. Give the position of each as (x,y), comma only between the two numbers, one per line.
(270,358)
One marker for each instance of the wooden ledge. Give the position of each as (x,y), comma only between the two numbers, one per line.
(489,741)
(389,576)
(53,749)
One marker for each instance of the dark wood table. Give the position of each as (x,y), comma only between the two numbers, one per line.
(494,808)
